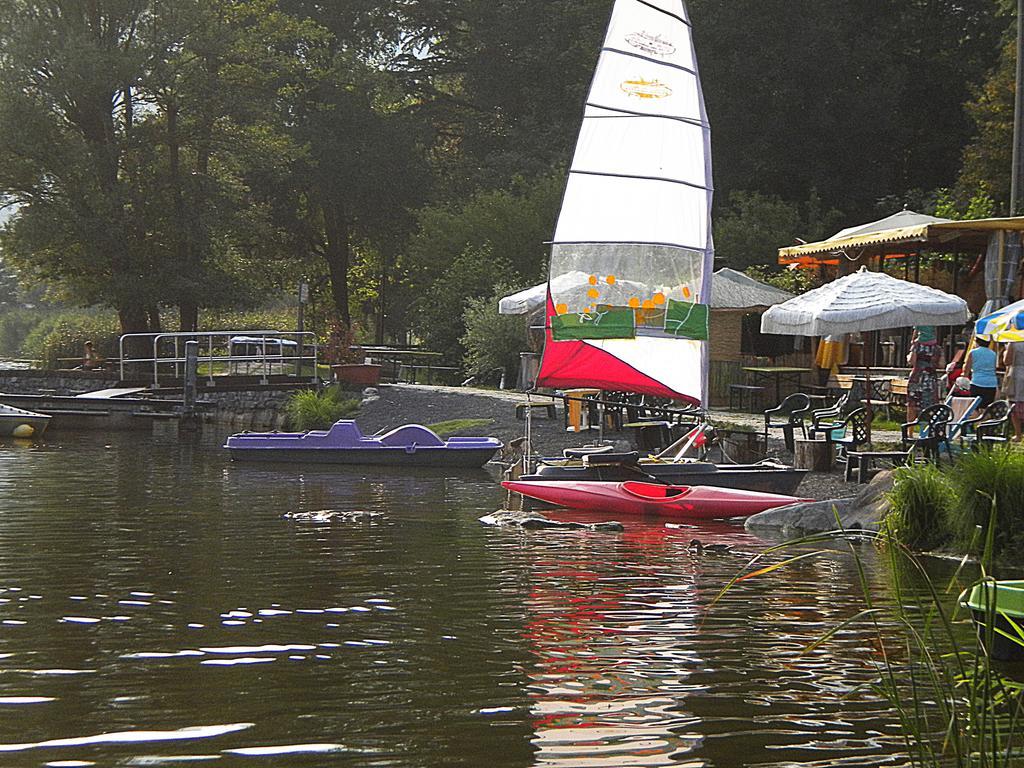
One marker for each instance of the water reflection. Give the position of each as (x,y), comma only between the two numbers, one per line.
(631,669)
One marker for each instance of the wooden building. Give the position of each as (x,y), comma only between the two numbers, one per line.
(737,303)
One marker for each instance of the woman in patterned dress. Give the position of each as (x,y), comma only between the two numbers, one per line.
(925,356)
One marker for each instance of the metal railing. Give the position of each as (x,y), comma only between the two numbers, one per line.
(262,351)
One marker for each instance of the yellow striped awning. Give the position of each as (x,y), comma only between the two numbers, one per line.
(970,235)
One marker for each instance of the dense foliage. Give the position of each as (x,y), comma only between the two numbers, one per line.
(210,153)
(312,409)
(493,342)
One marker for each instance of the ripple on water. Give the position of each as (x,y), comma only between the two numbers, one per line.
(422,635)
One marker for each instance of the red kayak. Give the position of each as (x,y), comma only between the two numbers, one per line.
(682,502)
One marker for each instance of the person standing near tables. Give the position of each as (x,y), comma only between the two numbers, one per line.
(981,368)
(922,386)
(1013,385)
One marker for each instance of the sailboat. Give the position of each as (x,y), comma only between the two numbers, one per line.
(636,213)
(636,222)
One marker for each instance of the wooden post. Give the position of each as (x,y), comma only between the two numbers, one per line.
(189,417)
(815,455)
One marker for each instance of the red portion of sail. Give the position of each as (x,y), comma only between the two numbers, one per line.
(578,364)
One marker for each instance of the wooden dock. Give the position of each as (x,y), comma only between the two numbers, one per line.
(98,410)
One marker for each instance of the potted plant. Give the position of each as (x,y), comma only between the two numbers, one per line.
(346,358)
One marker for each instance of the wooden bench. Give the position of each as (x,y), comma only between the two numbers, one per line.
(737,392)
(861,461)
(523,408)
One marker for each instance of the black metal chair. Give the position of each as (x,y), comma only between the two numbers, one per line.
(880,396)
(989,427)
(787,416)
(849,434)
(827,417)
(932,424)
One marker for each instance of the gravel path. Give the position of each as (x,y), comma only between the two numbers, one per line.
(408,404)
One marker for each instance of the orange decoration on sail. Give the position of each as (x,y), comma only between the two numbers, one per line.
(634,303)
(593,293)
(593,279)
(659,299)
(562,309)
(610,279)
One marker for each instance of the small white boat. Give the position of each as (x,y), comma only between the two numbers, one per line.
(15,422)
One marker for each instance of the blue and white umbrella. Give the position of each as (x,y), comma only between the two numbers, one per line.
(1006,324)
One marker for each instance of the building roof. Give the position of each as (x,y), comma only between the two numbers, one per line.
(734,290)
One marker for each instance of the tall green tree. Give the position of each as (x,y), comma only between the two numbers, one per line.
(130,130)
(66,72)
(857,99)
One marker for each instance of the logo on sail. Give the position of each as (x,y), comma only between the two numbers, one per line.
(646,89)
(655,45)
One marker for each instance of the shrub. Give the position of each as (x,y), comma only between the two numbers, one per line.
(921,499)
(63,334)
(989,482)
(310,409)
(493,340)
(283,319)
(15,326)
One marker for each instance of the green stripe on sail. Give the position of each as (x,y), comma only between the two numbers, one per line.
(687,320)
(605,323)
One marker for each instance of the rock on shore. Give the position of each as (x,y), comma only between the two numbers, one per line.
(865,512)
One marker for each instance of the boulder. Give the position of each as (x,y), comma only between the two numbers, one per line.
(506,518)
(862,512)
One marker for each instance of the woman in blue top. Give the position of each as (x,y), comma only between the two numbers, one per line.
(981,367)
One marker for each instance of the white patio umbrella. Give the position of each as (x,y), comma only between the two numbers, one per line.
(864,301)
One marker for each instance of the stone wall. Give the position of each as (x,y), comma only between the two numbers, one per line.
(32,381)
(262,409)
(258,408)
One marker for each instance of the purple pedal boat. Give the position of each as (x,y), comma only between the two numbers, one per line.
(344,443)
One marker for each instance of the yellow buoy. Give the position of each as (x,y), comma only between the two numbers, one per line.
(23,430)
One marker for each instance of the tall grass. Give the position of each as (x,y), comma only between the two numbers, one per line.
(989,481)
(953,707)
(934,507)
(921,500)
(310,409)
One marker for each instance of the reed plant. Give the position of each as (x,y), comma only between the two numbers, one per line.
(311,409)
(953,706)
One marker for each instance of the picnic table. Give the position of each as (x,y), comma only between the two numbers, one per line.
(776,374)
(398,358)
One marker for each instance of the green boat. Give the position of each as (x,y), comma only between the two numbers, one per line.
(1006,599)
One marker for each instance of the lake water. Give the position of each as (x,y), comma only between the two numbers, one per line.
(162,606)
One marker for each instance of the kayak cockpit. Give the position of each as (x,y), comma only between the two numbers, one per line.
(655,492)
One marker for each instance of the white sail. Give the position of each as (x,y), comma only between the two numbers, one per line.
(636,212)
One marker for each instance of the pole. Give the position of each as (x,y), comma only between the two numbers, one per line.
(303,300)
(189,418)
(1018,113)
(382,298)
